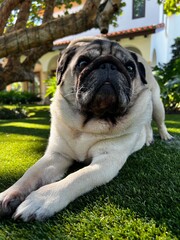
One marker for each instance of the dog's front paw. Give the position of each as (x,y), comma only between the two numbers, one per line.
(32,208)
(149,135)
(39,205)
(9,201)
(149,141)
(166,136)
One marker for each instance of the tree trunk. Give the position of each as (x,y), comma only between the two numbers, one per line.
(15,74)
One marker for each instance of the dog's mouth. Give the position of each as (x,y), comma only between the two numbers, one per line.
(104,100)
(103,88)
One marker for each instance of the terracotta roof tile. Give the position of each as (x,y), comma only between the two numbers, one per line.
(124,33)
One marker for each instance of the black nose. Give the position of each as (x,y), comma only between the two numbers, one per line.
(108,66)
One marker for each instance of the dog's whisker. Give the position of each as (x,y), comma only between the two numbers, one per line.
(69,94)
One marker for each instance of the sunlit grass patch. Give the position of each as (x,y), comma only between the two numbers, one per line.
(25,125)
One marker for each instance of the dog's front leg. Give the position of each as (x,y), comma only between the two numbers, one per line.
(50,168)
(51,198)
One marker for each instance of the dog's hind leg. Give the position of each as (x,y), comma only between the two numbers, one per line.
(159,113)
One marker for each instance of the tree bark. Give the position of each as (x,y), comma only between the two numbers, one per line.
(49,8)
(35,53)
(23,15)
(17,73)
(21,21)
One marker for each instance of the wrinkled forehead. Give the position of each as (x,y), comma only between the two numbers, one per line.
(100,47)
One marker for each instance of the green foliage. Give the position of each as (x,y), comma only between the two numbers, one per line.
(51,86)
(16,97)
(68,4)
(170,6)
(168,77)
(119,12)
(37,7)
(35,18)
(13,113)
(12,18)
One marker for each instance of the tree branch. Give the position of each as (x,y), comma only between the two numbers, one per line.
(49,9)
(18,73)
(106,10)
(23,15)
(21,40)
(35,53)
(5,9)
(21,21)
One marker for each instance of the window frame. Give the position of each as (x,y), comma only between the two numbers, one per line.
(133,10)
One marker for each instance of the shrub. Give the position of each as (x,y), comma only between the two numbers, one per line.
(168,77)
(51,86)
(16,97)
(14,113)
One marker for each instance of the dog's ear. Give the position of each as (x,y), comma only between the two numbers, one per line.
(141,68)
(63,61)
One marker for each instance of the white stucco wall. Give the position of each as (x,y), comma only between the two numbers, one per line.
(164,38)
(141,43)
(160,46)
(151,16)
(46,58)
(173,29)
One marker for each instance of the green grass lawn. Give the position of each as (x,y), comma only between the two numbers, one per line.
(142,202)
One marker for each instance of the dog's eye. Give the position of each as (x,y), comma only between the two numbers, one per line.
(131,69)
(82,63)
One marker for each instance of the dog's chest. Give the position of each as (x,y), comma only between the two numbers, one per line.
(81,144)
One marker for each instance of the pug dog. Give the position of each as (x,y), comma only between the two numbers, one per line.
(101,113)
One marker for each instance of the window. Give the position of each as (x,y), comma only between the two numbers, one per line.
(138,8)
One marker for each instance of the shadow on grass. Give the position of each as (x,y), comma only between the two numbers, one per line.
(43,133)
(40,118)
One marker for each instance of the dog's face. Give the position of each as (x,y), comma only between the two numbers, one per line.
(97,77)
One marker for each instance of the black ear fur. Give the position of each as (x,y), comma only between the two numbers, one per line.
(140,67)
(63,62)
